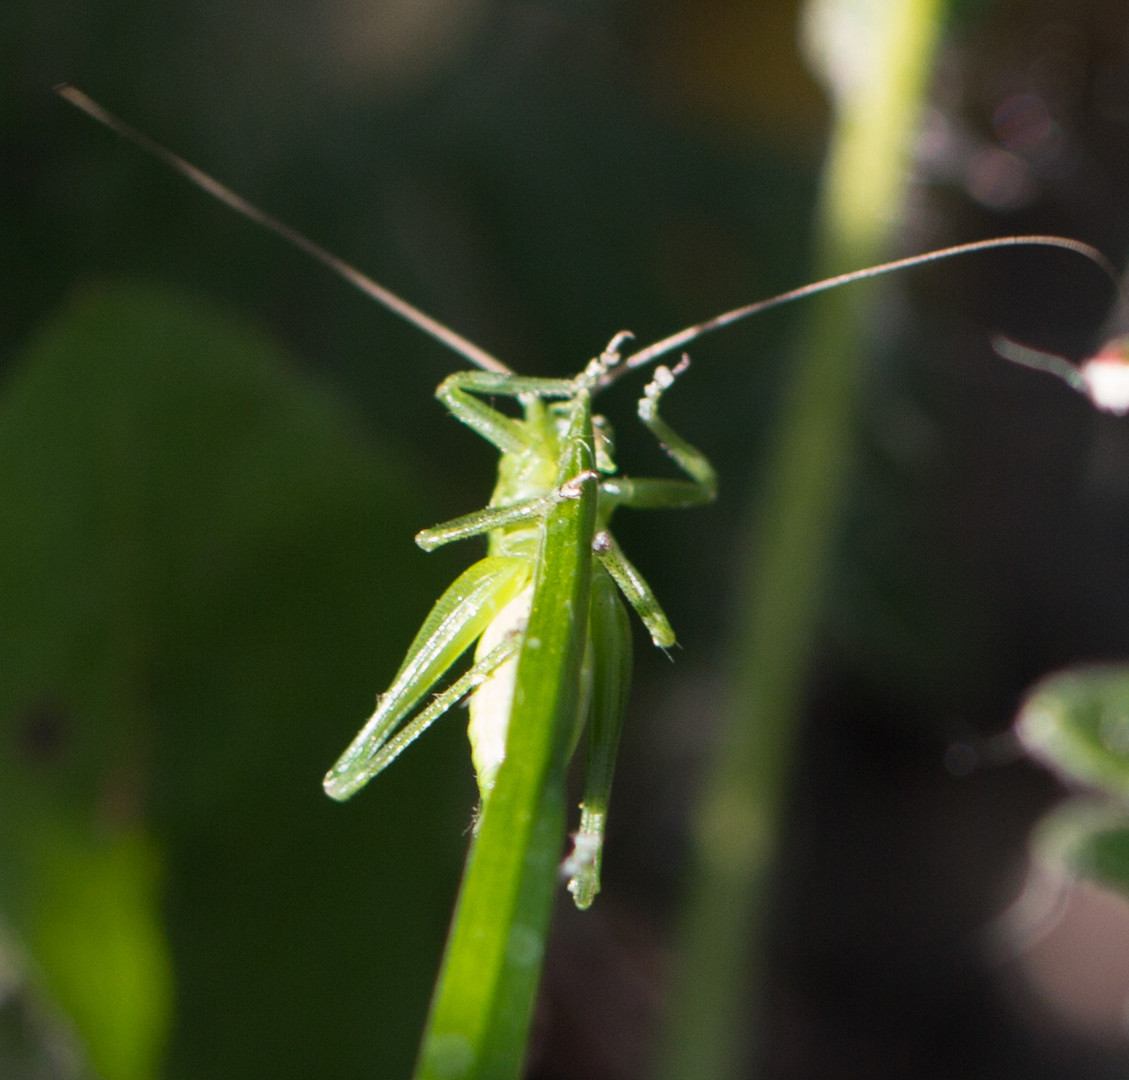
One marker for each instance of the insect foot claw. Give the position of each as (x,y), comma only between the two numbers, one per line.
(611,352)
(601,542)
(596,372)
(574,488)
(427,540)
(654,390)
(582,867)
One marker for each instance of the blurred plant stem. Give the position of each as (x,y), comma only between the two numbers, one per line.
(876,55)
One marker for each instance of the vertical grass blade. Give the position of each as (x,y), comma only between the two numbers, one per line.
(483,1004)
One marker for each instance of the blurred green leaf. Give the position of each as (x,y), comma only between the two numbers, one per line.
(195,538)
(1087,839)
(94,933)
(1077,722)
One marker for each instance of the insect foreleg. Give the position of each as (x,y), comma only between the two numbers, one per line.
(609,636)
(661,494)
(687,456)
(458,392)
(458,618)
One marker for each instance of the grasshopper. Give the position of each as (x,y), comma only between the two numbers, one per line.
(490,602)
(548,540)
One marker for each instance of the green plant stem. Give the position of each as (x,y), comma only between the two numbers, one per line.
(484,997)
(794,519)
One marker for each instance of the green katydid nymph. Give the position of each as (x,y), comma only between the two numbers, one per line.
(549,544)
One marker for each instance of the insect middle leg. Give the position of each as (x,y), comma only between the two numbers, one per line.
(653,493)
(663,494)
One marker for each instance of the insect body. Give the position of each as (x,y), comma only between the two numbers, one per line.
(490,602)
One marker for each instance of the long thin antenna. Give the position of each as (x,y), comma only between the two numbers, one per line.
(467,349)
(479,357)
(675,341)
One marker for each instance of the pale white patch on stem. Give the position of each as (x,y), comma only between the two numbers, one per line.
(1103,378)
(490,704)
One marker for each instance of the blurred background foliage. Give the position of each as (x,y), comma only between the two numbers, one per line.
(213,457)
